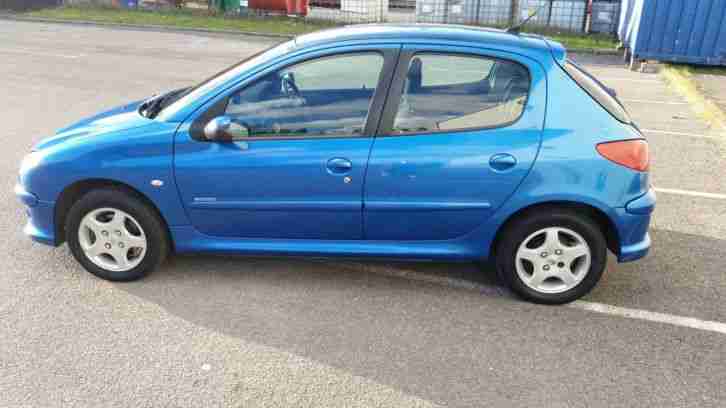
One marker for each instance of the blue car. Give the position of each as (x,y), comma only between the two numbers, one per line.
(375,141)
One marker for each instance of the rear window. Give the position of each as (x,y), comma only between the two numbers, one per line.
(597,91)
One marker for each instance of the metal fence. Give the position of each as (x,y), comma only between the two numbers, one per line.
(560,15)
(567,15)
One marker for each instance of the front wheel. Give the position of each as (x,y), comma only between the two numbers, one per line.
(553,258)
(115,235)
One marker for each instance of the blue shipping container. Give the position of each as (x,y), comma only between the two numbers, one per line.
(689,31)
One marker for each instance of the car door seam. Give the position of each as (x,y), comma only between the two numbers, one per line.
(382,112)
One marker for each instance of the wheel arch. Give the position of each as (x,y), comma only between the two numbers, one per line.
(73,192)
(606,224)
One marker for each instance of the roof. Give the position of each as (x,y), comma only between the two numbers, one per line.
(423,32)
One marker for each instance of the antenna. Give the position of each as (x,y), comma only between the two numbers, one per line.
(515,29)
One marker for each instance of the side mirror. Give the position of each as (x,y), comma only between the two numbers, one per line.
(222,128)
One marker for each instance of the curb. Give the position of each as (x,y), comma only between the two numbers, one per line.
(148,27)
(680,80)
(162,28)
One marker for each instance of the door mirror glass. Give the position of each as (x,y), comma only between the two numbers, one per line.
(222,128)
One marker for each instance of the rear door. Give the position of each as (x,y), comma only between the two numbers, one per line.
(460,130)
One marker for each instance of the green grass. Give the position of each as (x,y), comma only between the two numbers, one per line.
(270,25)
(594,41)
(690,70)
(681,78)
(183,19)
(702,70)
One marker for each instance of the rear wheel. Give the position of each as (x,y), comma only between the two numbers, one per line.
(553,257)
(115,235)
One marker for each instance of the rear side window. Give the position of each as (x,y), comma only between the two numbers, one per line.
(597,91)
(444,92)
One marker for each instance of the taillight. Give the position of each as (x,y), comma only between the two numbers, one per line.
(632,154)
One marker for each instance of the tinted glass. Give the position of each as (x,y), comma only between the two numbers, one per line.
(448,92)
(211,84)
(323,97)
(597,91)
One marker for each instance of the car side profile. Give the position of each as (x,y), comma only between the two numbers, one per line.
(374,141)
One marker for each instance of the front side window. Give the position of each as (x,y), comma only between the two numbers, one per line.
(328,96)
(451,92)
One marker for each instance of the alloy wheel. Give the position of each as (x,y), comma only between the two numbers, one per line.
(553,260)
(112,239)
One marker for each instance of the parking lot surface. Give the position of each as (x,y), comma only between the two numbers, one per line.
(241,332)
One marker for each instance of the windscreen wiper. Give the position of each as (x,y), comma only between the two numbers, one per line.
(154,105)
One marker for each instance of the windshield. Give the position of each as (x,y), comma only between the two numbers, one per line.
(599,92)
(174,104)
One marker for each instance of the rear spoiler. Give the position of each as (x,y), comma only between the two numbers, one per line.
(559,53)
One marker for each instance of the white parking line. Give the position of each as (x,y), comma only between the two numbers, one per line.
(491,290)
(690,193)
(667,132)
(674,320)
(653,102)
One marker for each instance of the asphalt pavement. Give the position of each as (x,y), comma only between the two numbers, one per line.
(249,332)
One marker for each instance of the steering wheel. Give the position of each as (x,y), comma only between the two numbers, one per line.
(289,86)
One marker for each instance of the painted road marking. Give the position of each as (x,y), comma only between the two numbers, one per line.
(653,102)
(38,53)
(690,322)
(667,132)
(690,193)
(492,290)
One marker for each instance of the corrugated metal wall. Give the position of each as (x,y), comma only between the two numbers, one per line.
(692,31)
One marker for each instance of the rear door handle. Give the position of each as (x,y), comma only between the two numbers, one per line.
(339,165)
(502,161)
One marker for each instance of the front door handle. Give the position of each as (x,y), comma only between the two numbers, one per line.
(502,161)
(339,165)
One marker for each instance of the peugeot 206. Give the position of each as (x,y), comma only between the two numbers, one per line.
(375,141)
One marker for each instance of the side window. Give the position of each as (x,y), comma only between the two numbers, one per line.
(328,96)
(451,92)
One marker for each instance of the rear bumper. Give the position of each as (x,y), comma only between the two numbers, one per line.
(633,252)
(633,225)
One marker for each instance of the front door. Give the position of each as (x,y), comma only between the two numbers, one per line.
(296,168)
(460,131)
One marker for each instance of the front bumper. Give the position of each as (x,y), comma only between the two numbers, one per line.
(40,226)
(633,224)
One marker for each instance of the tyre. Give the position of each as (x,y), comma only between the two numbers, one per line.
(552,257)
(115,235)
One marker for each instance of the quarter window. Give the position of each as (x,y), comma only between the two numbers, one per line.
(328,96)
(449,92)
(597,91)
